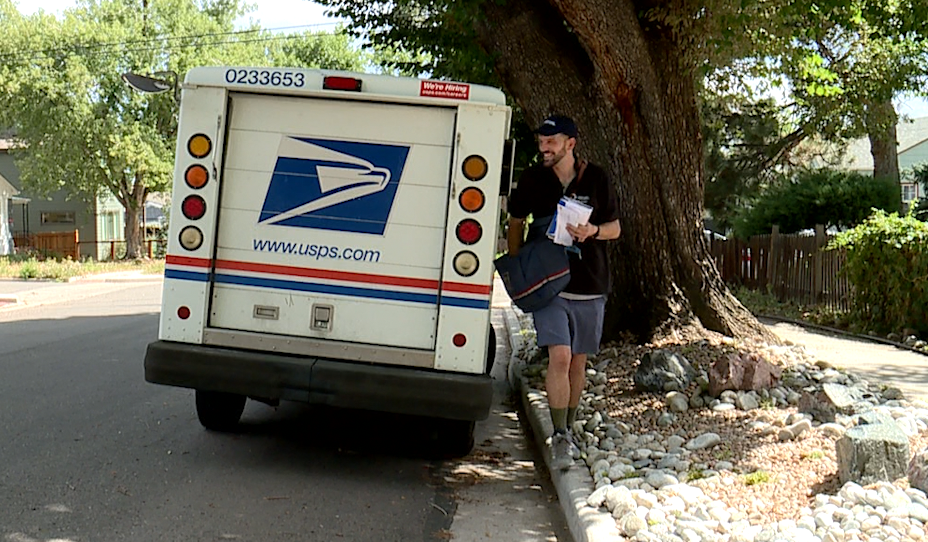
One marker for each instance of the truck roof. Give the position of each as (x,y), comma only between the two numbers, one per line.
(372,85)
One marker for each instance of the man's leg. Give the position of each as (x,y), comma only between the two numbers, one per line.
(577,377)
(558,384)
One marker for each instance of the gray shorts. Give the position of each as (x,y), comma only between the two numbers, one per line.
(578,324)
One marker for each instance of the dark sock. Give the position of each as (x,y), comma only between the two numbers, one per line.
(571,416)
(559,417)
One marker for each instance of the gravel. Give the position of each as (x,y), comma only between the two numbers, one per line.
(745,467)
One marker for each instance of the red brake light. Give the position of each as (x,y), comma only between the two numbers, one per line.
(469,231)
(341,83)
(194,207)
(183,313)
(459,340)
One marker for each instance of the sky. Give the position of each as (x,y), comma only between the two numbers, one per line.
(281,14)
(270,14)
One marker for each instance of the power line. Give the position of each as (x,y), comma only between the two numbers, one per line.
(71,50)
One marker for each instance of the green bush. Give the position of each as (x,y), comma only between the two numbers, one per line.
(887,259)
(822,196)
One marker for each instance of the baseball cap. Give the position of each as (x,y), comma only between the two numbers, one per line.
(557,124)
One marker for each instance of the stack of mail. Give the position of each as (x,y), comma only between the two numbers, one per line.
(569,211)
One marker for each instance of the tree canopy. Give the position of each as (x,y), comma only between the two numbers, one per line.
(80,127)
(630,72)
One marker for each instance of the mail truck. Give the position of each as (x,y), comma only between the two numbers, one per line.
(332,238)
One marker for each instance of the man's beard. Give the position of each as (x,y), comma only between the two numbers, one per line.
(552,160)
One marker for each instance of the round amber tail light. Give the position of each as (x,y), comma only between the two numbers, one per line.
(199,146)
(475,167)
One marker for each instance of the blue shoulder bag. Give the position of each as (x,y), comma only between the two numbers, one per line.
(540,271)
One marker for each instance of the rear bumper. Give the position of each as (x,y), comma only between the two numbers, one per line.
(342,384)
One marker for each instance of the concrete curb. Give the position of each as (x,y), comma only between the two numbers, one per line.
(586,524)
(117,278)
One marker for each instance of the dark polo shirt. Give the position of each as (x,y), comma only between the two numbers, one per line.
(537,194)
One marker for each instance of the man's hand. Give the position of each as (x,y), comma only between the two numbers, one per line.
(582,232)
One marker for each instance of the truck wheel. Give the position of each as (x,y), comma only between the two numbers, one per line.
(491,349)
(219,411)
(457,437)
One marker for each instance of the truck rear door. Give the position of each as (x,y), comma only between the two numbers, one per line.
(332,219)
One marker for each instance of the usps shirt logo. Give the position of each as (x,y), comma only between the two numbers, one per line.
(333,185)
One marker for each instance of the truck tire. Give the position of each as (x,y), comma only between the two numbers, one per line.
(219,411)
(457,438)
(491,349)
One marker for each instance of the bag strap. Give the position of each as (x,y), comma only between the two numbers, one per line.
(581,167)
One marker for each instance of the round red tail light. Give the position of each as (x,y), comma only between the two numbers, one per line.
(183,313)
(194,207)
(459,340)
(469,231)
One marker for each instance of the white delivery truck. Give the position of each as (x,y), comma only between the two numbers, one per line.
(332,240)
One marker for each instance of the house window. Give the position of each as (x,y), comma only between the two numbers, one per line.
(57,217)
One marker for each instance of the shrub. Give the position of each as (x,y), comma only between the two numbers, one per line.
(887,256)
(822,196)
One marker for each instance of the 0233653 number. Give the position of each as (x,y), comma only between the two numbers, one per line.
(265,77)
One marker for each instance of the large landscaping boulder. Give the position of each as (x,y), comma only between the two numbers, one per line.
(662,370)
(742,372)
(872,453)
(831,399)
(918,471)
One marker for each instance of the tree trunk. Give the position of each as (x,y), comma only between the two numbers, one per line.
(636,108)
(881,129)
(133,205)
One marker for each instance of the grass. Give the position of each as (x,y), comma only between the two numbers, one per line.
(814,455)
(757,477)
(31,267)
(694,474)
(765,303)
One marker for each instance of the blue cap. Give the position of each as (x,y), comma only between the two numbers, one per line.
(557,124)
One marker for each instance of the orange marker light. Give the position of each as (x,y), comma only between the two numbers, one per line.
(196,176)
(472,199)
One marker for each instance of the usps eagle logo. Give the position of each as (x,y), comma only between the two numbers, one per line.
(333,185)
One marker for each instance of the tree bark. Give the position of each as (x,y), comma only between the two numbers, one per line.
(635,103)
(132,196)
(881,129)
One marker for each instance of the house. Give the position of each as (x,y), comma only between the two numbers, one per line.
(912,149)
(7,191)
(99,222)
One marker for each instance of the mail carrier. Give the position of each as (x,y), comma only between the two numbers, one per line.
(332,241)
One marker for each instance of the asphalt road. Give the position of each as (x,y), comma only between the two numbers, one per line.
(91,452)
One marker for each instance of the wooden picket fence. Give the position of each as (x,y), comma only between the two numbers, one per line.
(59,244)
(793,267)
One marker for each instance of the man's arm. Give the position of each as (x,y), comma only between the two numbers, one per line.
(515,235)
